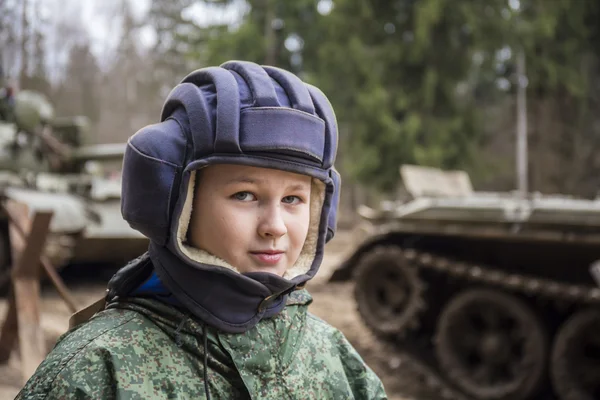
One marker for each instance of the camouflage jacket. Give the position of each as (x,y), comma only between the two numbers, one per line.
(145,349)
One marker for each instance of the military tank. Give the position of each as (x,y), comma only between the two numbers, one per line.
(490,293)
(45,165)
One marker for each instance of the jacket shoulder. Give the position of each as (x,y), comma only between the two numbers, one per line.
(81,365)
(319,330)
(332,343)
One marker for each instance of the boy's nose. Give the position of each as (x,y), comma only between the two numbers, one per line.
(272,224)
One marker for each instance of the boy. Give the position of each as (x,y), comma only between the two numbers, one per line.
(236,190)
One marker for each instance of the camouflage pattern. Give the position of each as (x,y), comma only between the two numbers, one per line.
(142,348)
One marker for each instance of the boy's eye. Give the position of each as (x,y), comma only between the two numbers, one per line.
(291,199)
(243,196)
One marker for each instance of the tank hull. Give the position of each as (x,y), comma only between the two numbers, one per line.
(490,295)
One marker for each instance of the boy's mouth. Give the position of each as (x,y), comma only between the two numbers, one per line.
(268,257)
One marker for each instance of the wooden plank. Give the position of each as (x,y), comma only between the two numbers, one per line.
(18,216)
(17,213)
(26,285)
(28,260)
(19,225)
(60,286)
(31,336)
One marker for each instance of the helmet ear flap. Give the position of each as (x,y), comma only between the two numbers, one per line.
(146,177)
(335,203)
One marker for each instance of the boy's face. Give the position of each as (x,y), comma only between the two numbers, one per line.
(256,219)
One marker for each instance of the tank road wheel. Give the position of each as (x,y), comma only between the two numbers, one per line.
(491,345)
(388,291)
(575,365)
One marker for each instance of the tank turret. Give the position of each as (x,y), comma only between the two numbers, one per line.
(45,163)
(32,110)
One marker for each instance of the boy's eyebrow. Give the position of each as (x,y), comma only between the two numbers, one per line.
(255,181)
(298,186)
(244,179)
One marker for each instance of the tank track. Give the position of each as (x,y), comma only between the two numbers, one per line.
(510,282)
(547,288)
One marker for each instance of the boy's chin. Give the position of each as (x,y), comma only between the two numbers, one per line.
(278,270)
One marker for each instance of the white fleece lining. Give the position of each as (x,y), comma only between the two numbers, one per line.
(306,257)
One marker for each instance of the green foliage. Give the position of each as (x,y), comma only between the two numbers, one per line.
(413,80)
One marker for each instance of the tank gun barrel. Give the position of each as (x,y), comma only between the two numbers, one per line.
(100,152)
(67,153)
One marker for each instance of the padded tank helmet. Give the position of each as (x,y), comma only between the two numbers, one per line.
(237,113)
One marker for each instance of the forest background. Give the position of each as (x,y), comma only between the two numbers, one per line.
(428,82)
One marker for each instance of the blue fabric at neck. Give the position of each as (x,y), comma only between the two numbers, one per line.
(154,287)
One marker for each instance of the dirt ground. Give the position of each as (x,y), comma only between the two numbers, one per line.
(332,302)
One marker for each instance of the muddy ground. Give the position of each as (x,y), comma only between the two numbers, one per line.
(332,302)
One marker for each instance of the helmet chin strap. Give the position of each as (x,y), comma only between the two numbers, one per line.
(228,303)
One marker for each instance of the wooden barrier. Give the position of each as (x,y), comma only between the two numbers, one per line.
(28,232)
